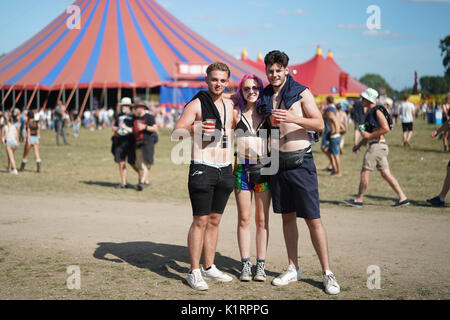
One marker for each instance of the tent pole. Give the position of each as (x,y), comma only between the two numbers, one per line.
(7,95)
(25,100)
(71,94)
(18,97)
(83,105)
(59,93)
(77,100)
(106,96)
(91,100)
(38,100)
(44,107)
(3,98)
(14,99)
(119,96)
(32,97)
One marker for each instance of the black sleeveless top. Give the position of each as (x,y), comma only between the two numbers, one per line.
(243,128)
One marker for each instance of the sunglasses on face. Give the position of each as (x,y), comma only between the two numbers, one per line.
(247,90)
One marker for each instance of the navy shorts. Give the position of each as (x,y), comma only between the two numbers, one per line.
(209,188)
(297,191)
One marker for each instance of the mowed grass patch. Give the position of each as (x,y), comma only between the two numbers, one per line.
(86,168)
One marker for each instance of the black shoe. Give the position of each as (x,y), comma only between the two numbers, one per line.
(401,203)
(139,187)
(436,202)
(122,186)
(38,167)
(353,203)
(146,185)
(22,166)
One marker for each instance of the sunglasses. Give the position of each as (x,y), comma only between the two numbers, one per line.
(247,90)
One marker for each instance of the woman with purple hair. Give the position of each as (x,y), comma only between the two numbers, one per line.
(252,136)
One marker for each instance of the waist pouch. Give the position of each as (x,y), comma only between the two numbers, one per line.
(254,173)
(294,159)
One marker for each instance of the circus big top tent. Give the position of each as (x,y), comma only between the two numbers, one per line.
(121,47)
(324,77)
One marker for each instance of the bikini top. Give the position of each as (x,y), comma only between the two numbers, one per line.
(244,129)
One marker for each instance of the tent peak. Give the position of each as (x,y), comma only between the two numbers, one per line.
(319,51)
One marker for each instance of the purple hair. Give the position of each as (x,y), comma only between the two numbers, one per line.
(241,101)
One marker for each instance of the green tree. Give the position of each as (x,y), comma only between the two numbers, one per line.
(445,51)
(377,82)
(434,84)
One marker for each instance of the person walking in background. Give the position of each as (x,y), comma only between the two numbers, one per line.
(123,146)
(446,117)
(144,128)
(10,138)
(59,116)
(252,134)
(439,200)
(76,122)
(32,141)
(407,113)
(342,116)
(375,127)
(328,111)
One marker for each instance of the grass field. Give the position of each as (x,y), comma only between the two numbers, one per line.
(86,168)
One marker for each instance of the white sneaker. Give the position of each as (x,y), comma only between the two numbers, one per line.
(196,281)
(14,171)
(330,283)
(289,275)
(215,274)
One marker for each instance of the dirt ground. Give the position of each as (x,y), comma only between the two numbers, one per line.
(137,250)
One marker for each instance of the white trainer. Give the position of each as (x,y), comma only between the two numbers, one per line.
(215,274)
(289,275)
(330,283)
(196,281)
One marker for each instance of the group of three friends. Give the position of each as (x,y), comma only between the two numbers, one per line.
(288,112)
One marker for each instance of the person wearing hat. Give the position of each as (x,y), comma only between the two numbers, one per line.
(144,130)
(123,141)
(376,125)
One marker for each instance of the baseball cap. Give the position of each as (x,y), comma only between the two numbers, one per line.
(371,95)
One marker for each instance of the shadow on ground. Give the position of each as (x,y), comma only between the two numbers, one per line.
(161,258)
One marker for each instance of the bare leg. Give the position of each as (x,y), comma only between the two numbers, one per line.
(290,232)
(262,205)
(12,162)
(211,236)
(36,152)
(195,240)
(446,185)
(244,204)
(319,241)
(386,174)
(123,172)
(363,184)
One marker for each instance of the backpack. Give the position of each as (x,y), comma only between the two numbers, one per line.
(371,121)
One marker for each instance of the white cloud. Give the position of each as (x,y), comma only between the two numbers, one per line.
(351,26)
(382,33)
(297,12)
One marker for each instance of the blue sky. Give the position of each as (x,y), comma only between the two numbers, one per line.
(407,41)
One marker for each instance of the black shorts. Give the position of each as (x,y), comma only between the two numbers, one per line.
(407,126)
(209,188)
(297,191)
(125,150)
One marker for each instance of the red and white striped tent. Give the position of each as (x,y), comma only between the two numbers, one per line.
(119,45)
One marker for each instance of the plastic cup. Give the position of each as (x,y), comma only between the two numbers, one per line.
(275,121)
(210,125)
